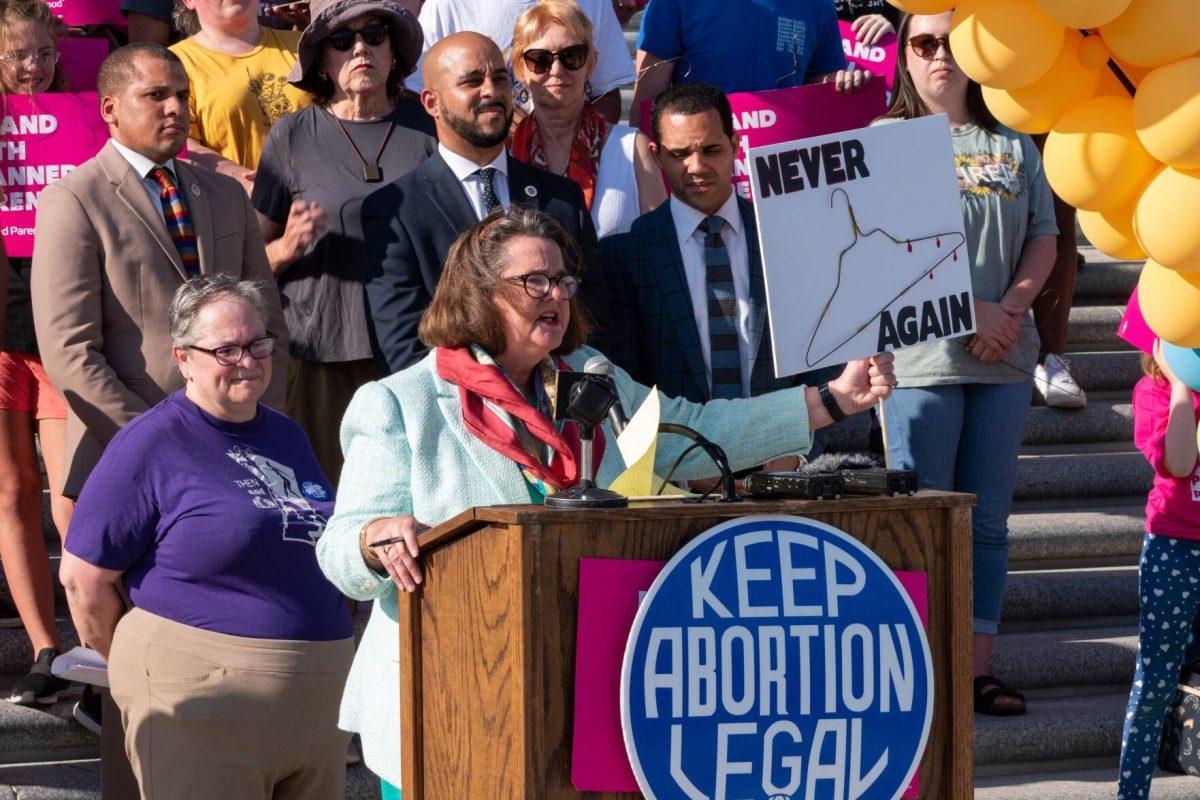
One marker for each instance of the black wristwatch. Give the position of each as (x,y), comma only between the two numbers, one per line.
(831,404)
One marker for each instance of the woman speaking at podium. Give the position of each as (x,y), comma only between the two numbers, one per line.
(470,425)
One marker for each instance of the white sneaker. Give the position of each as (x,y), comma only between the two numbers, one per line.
(1053,380)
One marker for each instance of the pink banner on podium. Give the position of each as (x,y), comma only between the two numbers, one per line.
(1133,327)
(78,13)
(610,590)
(879,58)
(81,62)
(42,138)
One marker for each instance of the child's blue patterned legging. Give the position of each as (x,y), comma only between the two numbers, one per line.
(1169,585)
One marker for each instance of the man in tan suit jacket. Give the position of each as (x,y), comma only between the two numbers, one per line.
(105,266)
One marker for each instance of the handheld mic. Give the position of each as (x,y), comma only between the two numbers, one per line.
(599,365)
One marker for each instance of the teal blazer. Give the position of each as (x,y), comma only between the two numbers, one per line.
(408,452)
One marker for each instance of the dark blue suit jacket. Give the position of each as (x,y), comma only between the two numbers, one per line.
(652,331)
(409,225)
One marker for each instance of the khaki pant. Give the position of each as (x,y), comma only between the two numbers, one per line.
(317,396)
(208,715)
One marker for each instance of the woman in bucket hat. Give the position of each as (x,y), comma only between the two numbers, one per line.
(362,131)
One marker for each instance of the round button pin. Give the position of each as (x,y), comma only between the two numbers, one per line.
(195,190)
(531,191)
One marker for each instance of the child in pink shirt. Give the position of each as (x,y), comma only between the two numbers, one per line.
(1164,429)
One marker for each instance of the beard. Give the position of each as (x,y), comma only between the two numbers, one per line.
(471,131)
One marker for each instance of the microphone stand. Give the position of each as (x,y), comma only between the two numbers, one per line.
(587,407)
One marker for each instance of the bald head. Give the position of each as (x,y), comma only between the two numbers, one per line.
(467,92)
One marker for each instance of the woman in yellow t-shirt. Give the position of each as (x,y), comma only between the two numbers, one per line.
(238,74)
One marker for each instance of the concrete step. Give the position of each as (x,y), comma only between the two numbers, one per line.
(1096,368)
(1113,529)
(44,732)
(1056,594)
(1093,324)
(1105,278)
(1102,470)
(16,653)
(1077,726)
(1101,421)
(1088,784)
(1066,657)
(80,780)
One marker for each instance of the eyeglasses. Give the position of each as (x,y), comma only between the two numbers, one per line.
(231,354)
(537,284)
(926,46)
(540,61)
(372,35)
(43,57)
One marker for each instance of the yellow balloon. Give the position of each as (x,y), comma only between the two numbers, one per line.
(1004,44)
(1083,13)
(1093,157)
(1166,220)
(923,6)
(1170,303)
(1166,113)
(1111,232)
(1155,32)
(1036,107)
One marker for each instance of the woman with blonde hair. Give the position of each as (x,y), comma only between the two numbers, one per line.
(29,406)
(554,55)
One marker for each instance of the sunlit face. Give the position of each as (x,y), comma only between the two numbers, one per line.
(532,328)
(560,86)
(29,54)
(697,157)
(225,321)
(938,78)
(469,93)
(224,16)
(150,115)
(364,68)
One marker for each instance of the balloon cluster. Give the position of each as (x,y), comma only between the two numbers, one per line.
(1116,86)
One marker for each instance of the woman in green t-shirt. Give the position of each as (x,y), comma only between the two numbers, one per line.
(960,414)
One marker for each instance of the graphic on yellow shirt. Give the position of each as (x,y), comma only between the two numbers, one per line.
(268,91)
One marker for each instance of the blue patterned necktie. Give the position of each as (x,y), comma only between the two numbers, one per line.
(725,358)
(490,200)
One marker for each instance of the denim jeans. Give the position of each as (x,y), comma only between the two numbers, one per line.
(965,438)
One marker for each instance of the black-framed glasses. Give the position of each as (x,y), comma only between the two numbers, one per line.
(372,35)
(231,354)
(926,45)
(540,61)
(537,284)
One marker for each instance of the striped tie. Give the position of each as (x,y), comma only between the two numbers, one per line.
(179,223)
(725,358)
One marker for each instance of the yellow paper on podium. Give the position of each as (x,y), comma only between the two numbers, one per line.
(637,444)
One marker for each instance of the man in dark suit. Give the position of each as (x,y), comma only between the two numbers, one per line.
(688,306)
(409,225)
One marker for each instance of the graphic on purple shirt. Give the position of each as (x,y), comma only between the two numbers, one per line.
(214,523)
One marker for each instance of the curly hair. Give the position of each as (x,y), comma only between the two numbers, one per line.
(462,313)
(38,13)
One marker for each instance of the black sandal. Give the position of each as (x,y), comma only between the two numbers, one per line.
(985,701)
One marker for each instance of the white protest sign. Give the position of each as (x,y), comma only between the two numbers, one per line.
(862,243)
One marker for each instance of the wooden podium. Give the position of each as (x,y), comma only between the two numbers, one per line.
(487,645)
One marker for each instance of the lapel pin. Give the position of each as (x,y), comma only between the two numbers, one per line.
(195,190)
(531,191)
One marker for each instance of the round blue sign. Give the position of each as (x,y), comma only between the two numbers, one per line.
(776,658)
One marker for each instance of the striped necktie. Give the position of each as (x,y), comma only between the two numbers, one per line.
(490,200)
(179,222)
(725,358)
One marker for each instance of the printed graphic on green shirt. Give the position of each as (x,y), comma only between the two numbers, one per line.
(990,173)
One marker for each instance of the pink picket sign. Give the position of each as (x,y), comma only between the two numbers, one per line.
(78,13)
(879,58)
(610,590)
(1133,327)
(42,138)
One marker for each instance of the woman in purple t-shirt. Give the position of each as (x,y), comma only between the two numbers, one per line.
(207,509)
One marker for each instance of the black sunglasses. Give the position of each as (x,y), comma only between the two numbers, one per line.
(231,354)
(540,61)
(926,46)
(537,284)
(372,35)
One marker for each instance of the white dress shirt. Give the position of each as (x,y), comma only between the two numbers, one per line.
(691,246)
(142,166)
(472,183)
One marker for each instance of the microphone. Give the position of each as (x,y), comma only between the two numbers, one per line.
(602,367)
